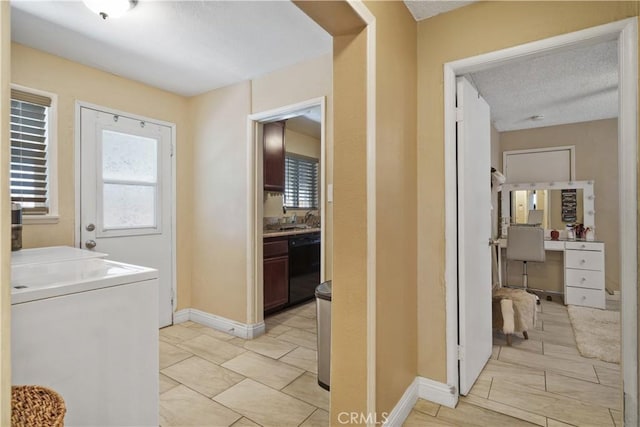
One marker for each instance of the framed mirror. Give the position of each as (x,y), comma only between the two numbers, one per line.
(553,204)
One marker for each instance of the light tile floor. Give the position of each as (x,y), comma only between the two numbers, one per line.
(209,378)
(541,381)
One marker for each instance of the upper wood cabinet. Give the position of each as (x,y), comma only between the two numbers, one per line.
(273,167)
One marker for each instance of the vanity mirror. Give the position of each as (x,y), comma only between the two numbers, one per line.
(558,203)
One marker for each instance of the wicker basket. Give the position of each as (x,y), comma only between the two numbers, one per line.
(32,405)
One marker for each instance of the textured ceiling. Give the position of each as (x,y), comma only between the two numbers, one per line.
(573,86)
(423,9)
(185,47)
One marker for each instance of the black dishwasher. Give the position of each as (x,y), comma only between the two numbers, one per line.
(304,267)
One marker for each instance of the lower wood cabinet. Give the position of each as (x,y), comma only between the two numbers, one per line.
(276,273)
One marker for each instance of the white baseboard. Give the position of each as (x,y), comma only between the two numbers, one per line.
(242,330)
(437,392)
(181,316)
(404,406)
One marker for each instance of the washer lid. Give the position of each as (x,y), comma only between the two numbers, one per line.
(30,282)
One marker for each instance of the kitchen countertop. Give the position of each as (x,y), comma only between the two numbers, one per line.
(292,232)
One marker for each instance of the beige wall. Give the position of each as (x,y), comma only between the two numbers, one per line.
(596,145)
(349,299)
(218,120)
(475,29)
(394,240)
(396,103)
(75,82)
(298,83)
(5,233)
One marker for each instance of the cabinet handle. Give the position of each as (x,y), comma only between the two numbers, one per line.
(582,246)
(582,261)
(583,280)
(584,297)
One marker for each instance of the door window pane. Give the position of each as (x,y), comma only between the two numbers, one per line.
(127,157)
(129,206)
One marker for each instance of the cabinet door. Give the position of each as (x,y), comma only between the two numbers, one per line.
(276,282)
(273,140)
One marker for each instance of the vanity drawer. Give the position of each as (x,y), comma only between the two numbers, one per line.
(585,246)
(584,260)
(585,297)
(584,278)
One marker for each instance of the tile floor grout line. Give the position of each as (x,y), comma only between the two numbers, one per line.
(613,418)
(310,415)
(582,402)
(507,415)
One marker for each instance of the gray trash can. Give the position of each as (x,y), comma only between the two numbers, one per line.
(323,307)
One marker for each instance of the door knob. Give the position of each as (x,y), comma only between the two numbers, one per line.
(90,244)
(90,227)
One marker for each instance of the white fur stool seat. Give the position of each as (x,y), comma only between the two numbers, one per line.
(514,310)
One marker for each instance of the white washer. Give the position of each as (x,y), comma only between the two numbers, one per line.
(88,328)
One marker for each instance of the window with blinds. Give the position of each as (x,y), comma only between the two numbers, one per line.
(301,182)
(29,171)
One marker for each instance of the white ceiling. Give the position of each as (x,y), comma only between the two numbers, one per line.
(423,9)
(573,86)
(191,47)
(185,47)
(308,122)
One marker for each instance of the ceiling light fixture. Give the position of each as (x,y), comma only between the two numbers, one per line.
(110,8)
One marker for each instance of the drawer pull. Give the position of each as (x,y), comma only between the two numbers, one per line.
(582,261)
(583,280)
(582,246)
(583,297)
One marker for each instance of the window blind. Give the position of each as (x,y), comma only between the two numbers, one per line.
(29,151)
(301,182)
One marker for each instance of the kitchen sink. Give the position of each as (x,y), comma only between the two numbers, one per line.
(284,227)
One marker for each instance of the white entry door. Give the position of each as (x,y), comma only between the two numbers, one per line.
(125,194)
(474,232)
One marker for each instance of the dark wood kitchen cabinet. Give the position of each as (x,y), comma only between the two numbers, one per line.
(275,273)
(274,152)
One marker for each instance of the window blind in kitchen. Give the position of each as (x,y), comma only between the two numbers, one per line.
(301,182)
(29,178)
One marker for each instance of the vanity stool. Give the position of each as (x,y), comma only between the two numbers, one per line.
(513,310)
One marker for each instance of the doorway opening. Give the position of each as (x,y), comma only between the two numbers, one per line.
(625,32)
(276,214)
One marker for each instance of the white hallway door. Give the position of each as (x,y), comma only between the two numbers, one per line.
(474,233)
(125,194)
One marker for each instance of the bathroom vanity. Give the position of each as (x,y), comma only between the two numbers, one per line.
(560,203)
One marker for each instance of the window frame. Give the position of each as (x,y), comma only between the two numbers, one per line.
(318,178)
(52,217)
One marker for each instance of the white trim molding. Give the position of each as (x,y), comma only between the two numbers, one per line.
(219,323)
(422,388)
(403,408)
(626,32)
(255,196)
(181,316)
(437,392)
(627,182)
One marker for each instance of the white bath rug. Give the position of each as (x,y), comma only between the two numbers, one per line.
(597,332)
